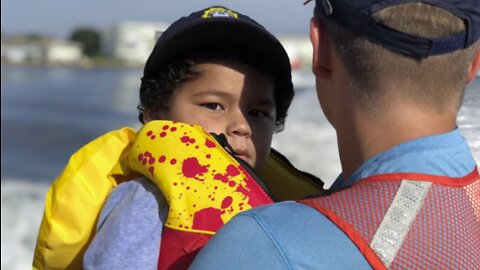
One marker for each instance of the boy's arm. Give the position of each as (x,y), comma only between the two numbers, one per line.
(129,228)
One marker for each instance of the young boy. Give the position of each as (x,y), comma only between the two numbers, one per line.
(222,71)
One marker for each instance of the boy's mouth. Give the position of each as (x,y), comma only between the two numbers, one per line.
(244,157)
(238,152)
(242,154)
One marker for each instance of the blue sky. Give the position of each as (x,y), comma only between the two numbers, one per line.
(59,17)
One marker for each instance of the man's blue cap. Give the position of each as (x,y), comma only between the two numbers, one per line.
(357,16)
(215,27)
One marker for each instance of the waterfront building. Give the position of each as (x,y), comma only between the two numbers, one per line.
(131,42)
(22,50)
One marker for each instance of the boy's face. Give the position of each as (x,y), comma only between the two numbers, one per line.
(233,99)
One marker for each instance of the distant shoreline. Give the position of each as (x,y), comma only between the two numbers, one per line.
(87,64)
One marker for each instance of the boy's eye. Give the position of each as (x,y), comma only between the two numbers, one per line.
(212,106)
(259,113)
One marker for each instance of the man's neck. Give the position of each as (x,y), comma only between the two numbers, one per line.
(363,136)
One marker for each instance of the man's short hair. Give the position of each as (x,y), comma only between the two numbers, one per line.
(434,80)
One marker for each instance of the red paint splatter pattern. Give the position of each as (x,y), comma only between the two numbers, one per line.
(202,183)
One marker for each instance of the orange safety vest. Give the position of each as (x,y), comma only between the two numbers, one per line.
(410,221)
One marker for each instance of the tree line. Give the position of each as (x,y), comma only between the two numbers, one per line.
(90,40)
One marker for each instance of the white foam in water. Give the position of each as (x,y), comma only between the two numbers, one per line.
(22,209)
(309,140)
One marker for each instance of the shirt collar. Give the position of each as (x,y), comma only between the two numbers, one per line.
(444,154)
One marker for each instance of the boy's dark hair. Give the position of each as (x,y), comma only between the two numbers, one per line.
(156,90)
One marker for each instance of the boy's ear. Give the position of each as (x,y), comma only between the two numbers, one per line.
(148,116)
(474,67)
(321,49)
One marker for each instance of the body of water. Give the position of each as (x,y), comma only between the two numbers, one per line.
(48,113)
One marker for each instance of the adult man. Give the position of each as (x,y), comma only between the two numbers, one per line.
(390,78)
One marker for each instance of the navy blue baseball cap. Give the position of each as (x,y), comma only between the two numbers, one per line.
(356,15)
(215,27)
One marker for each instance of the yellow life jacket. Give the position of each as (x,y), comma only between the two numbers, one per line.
(77,196)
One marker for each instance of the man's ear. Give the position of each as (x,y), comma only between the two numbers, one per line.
(321,49)
(474,67)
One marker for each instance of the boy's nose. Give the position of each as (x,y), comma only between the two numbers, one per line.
(239,126)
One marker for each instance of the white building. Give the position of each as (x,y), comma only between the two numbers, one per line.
(63,52)
(21,53)
(131,42)
(18,50)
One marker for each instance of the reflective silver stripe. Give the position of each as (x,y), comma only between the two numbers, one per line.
(399,217)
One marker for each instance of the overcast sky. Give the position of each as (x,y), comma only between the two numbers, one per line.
(59,17)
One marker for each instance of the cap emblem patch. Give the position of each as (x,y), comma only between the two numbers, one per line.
(217,12)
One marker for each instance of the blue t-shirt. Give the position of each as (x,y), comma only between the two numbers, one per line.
(291,235)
